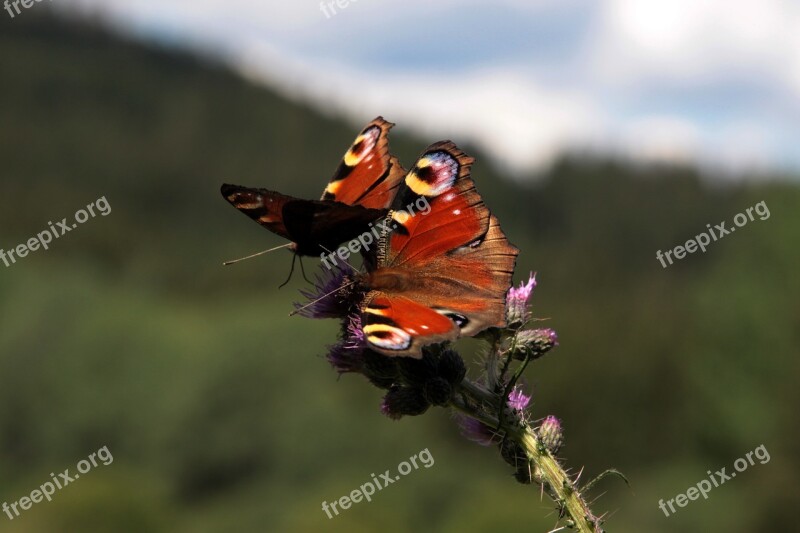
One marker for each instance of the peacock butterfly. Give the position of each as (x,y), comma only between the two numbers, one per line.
(439,276)
(360,191)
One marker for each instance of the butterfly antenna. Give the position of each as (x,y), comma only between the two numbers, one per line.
(291,271)
(226,263)
(309,304)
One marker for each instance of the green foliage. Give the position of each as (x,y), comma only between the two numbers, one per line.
(219,409)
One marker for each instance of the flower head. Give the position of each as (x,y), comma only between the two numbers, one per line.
(517,311)
(347,355)
(518,400)
(331,296)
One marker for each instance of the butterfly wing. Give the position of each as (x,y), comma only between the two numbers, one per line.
(363,186)
(368,174)
(262,205)
(400,325)
(451,260)
(315,226)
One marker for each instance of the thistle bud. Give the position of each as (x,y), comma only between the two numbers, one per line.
(551,435)
(451,367)
(534,343)
(380,370)
(438,391)
(417,372)
(404,401)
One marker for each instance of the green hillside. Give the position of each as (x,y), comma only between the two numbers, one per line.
(219,409)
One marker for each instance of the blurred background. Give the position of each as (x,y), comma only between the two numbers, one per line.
(604,132)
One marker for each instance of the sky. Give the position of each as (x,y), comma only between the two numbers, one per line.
(713,82)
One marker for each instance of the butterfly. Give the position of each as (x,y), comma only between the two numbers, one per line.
(439,275)
(360,191)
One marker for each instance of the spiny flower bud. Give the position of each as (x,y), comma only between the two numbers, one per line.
(517,312)
(380,370)
(402,401)
(438,391)
(534,343)
(451,367)
(551,435)
(417,372)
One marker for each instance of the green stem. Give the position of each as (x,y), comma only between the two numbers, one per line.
(479,403)
(562,489)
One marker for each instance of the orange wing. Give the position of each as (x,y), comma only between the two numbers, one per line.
(450,259)
(368,174)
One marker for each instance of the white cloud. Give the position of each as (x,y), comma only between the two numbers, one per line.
(692,41)
(629,83)
(521,123)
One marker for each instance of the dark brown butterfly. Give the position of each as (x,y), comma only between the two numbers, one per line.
(360,191)
(439,274)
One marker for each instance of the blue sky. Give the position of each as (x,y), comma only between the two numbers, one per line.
(709,81)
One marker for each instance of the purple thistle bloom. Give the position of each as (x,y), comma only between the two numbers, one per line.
(344,358)
(517,301)
(518,400)
(332,303)
(348,354)
(477,431)
(354,335)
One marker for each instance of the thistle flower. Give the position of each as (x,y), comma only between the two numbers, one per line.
(347,355)
(327,301)
(439,379)
(518,400)
(517,311)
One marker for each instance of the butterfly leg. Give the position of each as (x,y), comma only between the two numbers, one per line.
(291,271)
(303,270)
